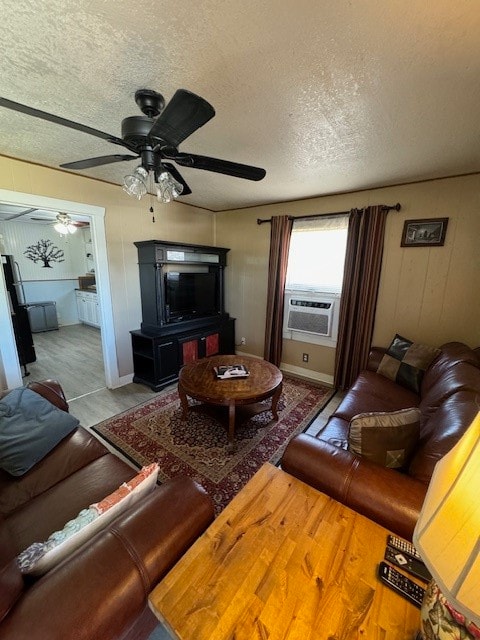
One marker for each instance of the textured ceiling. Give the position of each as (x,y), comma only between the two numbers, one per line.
(327,96)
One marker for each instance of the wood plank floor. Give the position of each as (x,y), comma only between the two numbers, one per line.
(73,356)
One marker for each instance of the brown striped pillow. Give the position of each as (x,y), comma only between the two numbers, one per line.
(388,439)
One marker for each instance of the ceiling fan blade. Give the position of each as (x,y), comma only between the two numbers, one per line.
(184,114)
(219,166)
(96,162)
(22,108)
(177,175)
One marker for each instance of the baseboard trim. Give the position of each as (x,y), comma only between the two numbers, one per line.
(315,376)
(307,373)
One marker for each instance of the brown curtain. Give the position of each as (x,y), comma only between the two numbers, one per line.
(280,233)
(363,262)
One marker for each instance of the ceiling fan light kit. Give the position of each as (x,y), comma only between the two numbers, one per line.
(154,138)
(167,188)
(64,224)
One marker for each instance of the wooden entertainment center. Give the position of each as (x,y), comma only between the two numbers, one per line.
(183,312)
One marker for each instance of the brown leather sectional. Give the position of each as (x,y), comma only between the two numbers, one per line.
(101,590)
(449,400)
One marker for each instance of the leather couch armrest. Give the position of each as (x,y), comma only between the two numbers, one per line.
(52,391)
(11,580)
(386,496)
(103,588)
(374,358)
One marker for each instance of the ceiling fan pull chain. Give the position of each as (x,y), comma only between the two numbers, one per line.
(152,210)
(150,194)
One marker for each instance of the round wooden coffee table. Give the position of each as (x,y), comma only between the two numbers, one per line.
(198,381)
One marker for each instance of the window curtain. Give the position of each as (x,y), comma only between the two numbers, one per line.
(361,278)
(280,232)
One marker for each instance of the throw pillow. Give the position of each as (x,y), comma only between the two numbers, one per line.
(388,439)
(405,362)
(30,427)
(40,557)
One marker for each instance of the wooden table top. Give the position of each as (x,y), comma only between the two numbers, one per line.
(284,562)
(199,381)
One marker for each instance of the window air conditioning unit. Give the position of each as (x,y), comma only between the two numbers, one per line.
(310,316)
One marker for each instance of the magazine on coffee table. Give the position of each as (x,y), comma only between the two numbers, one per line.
(231,371)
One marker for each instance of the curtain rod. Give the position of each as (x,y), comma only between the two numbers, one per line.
(385,207)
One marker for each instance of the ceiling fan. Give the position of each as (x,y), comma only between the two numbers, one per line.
(63,222)
(154,139)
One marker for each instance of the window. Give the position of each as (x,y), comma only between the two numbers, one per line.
(317,254)
(314,279)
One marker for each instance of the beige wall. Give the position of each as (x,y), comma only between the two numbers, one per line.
(426,294)
(126,221)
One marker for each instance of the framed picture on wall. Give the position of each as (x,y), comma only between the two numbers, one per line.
(429,232)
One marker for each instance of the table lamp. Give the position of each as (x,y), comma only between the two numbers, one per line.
(447,536)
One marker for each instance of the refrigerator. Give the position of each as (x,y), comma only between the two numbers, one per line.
(19,311)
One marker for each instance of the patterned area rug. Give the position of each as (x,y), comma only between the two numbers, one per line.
(198,447)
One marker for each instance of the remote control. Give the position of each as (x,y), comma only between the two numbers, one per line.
(404,561)
(401,584)
(404,546)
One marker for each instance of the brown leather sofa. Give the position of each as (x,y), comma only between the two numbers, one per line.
(449,400)
(101,590)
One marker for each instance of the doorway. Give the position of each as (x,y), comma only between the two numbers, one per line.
(10,366)
(50,278)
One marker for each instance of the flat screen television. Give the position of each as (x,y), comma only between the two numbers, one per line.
(190,295)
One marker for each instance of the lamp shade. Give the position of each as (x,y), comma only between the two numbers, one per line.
(447,534)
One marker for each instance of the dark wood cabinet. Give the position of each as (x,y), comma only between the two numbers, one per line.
(158,359)
(195,347)
(155,360)
(156,259)
(162,346)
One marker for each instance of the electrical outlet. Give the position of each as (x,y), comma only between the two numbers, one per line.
(243,341)
(305,357)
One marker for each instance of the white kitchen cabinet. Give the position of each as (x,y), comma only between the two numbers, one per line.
(88,307)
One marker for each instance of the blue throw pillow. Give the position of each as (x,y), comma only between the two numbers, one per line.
(30,427)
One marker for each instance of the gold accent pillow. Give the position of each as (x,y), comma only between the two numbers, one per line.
(389,439)
(405,362)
